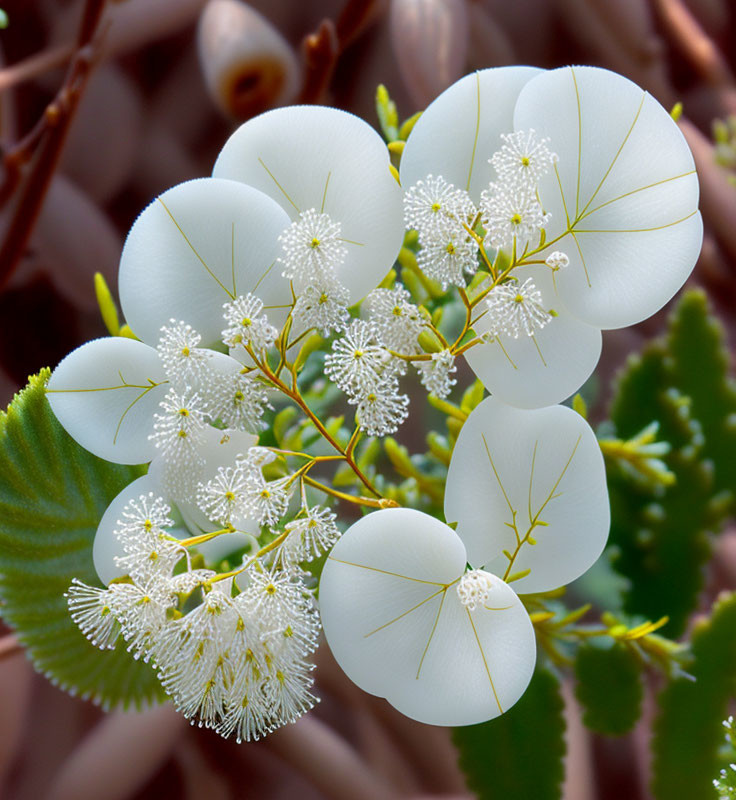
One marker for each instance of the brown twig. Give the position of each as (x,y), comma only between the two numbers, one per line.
(35,65)
(44,144)
(694,43)
(9,646)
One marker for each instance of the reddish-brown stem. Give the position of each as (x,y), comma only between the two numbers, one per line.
(35,66)
(49,136)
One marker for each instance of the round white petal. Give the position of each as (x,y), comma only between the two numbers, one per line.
(394,621)
(106,545)
(529,372)
(549,465)
(462,128)
(630,192)
(196,247)
(105,394)
(316,157)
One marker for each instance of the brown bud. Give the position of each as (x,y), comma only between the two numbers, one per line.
(248,66)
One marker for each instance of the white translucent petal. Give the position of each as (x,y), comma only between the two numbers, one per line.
(106,545)
(219,449)
(462,128)
(519,466)
(105,394)
(394,622)
(529,372)
(626,182)
(195,247)
(323,158)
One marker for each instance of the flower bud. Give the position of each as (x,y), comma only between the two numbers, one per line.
(430,41)
(248,66)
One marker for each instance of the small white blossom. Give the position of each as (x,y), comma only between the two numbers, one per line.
(287,691)
(237,399)
(381,409)
(324,306)
(511,215)
(523,159)
(447,255)
(433,204)
(357,360)
(435,374)
(224,497)
(91,610)
(514,308)
(144,515)
(309,536)
(474,587)
(557,260)
(265,501)
(312,247)
(246,326)
(396,321)
(141,609)
(184,361)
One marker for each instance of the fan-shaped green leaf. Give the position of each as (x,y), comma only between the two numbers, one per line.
(52,496)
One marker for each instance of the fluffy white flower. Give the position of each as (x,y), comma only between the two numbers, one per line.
(312,248)
(224,497)
(396,321)
(184,361)
(474,587)
(448,255)
(90,609)
(511,214)
(435,374)
(357,361)
(432,205)
(237,398)
(380,408)
(515,308)
(309,536)
(246,325)
(323,306)
(523,159)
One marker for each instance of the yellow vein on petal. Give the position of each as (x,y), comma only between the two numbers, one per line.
(641,230)
(615,158)
(500,344)
(582,258)
(635,191)
(477,130)
(401,616)
(485,662)
(552,494)
(384,572)
(324,194)
(196,253)
(432,632)
(263,277)
(580,142)
(539,351)
(280,187)
(531,480)
(495,472)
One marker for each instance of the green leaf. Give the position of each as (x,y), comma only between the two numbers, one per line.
(660,538)
(688,730)
(52,496)
(699,365)
(521,753)
(609,687)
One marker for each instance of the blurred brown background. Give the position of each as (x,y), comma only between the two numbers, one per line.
(105,105)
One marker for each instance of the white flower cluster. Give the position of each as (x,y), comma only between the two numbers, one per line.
(313,251)
(237,664)
(202,392)
(516,308)
(442,216)
(369,375)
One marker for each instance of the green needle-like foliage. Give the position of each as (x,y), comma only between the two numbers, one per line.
(52,496)
(688,730)
(520,754)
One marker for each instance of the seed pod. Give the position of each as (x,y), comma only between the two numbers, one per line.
(248,66)
(430,42)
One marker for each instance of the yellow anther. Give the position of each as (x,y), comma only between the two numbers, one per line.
(183,412)
(314,243)
(519,298)
(270,589)
(516,219)
(185,351)
(436,207)
(525,161)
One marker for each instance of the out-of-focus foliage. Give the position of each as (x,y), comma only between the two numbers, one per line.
(519,754)
(52,496)
(688,732)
